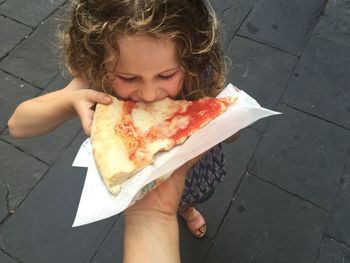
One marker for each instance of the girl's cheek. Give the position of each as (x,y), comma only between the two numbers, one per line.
(121,90)
(176,87)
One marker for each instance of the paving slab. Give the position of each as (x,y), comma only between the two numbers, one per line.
(3,202)
(282,23)
(334,23)
(41,229)
(12,92)
(231,15)
(35,59)
(111,250)
(266,224)
(238,155)
(261,71)
(19,173)
(5,258)
(11,33)
(320,83)
(29,12)
(304,155)
(339,228)
(49,147)
(333,252)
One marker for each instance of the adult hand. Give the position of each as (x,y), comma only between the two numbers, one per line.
(151,227)
(166,197)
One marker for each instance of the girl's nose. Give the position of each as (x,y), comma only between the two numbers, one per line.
(148,93)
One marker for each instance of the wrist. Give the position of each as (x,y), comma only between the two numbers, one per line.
(151,237)
(69,100)
(146,217)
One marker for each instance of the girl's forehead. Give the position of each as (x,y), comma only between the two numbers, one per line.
(141,51)
(145,42)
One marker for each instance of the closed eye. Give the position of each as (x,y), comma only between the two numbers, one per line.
(127,79)
(167,77)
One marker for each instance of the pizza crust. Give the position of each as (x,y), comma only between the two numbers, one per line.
(109,150)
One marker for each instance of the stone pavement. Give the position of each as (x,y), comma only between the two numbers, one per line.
(286,197)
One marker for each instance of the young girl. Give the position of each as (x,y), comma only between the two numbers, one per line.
(141,51)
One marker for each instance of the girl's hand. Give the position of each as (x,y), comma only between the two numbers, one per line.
(45,113)
(84,101)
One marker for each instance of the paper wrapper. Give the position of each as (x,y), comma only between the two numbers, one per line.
(96,203)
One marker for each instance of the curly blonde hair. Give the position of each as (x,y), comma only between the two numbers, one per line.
(191,24)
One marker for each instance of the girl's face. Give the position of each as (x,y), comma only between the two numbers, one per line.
(146,70)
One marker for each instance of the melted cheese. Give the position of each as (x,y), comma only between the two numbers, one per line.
(150,115)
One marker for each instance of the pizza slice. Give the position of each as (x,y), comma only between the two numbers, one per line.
(126,135)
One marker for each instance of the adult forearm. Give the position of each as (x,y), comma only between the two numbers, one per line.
(151,239)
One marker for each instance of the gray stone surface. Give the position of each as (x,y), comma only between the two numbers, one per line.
(231,15)
(238,155)
(111,250)
(192,250)
(19,172)
(35,59)
(266,224)
(282,23)
(303,155)
(11,33)
(333,252)
(50,146)
(12,92)
(260,71)
(339,228)
(41,229)
(5,258)
(3,202)
(320,84)
(29,12)
(335,23)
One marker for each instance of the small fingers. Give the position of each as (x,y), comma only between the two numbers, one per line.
(86,122)
(99,97)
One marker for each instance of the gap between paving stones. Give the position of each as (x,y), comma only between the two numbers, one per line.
(9,255)
(293,194)
(41,179)
(27,153)
(339,242)
(235,192)
(325,235)
(245,172)
(271,46)
(33,30)
(23,80)
(315,116)
(104,239)
(7,204)
(235,33)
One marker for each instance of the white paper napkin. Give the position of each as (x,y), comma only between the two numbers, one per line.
(96,203)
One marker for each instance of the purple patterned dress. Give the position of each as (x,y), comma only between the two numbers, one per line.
(204,176)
